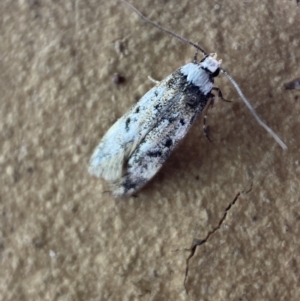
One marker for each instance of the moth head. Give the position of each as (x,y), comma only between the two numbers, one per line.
(210,64)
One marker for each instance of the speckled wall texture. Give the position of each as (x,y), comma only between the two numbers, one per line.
(64,238)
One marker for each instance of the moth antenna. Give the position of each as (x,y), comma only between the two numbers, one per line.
(164,29)
(260,122)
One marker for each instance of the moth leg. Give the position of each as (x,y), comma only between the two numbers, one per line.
(210,105)
(156,82)
(220,95)
(195,59)
(205,127)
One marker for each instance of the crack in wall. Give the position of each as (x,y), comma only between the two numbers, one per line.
(198,242)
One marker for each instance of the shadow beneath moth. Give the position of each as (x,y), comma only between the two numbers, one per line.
(138,144)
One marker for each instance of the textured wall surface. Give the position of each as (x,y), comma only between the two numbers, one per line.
(63,237)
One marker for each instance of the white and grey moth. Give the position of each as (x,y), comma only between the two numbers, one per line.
(138,144)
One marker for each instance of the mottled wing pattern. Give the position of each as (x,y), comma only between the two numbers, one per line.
(157,145)
(122,139)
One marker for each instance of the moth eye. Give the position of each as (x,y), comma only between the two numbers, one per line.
(216,73)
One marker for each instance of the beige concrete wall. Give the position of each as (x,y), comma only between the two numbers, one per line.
(62,238)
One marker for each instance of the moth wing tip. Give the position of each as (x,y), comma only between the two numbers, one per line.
(110,169)
(94,170)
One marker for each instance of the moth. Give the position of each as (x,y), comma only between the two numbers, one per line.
(135,148)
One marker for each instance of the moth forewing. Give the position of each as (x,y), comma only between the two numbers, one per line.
(123,137)
(138,144)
